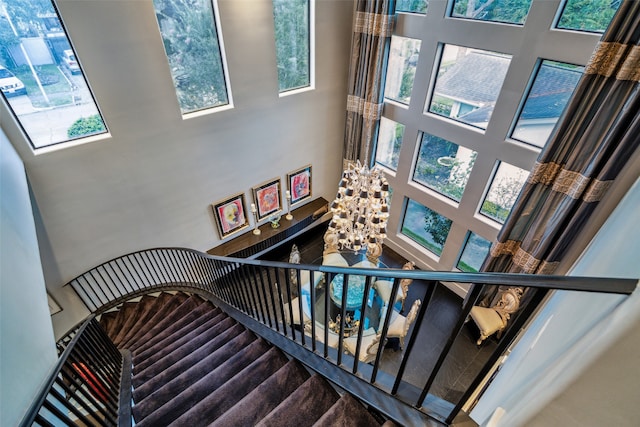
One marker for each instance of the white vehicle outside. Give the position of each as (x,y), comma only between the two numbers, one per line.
(10,84)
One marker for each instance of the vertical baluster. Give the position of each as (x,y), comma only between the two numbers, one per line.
(466,309)
(131,279)
(135,257)
(327,291)
(80,290)
(273,289)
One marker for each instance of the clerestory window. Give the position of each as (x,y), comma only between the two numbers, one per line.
(192,41)
(41,77)
(293,23)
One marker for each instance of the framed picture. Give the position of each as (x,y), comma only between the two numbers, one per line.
(230,215)
(299,184)
(268,198)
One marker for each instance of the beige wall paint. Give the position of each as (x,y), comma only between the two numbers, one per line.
(151,184)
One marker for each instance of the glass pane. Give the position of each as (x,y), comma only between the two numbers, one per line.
(389,143)
(291,20)
(549,94)
(504,190)
(443,166)
(475,251)
(415,6)
(588,15)
(510,11)
(403,59)
(191,44)
(468,84)
(426,227)
(41,78)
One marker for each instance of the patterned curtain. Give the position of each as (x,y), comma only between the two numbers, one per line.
(372,28)
(597,134)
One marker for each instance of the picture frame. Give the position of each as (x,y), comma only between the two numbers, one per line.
(299,184)
(268,198)
(231,215)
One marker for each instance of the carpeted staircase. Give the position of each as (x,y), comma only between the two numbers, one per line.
(193,365)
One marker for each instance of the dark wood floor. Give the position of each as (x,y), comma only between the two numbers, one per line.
(465,359)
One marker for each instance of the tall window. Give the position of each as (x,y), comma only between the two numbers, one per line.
(468,84)
(510,11)
(551,90)
(41,78)
(477,101)
(443,166)
(192,42)
(389,142)
(292,20)
(403,58)
(425,226)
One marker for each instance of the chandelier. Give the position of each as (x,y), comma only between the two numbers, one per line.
(360,211)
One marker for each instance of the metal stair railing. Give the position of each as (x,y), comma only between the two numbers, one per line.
(258,292)
(84,386)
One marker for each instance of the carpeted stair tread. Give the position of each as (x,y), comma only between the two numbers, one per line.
(168,303)
(123,314)
(182,344)
(141,308)
(180,316)
(347,411)
(209,320)
(145,320)
(232,391)
(180,375)
(264,398)
(182,327)
(193,365)
(304,406)
(142,337)
(209,382)
(107,320)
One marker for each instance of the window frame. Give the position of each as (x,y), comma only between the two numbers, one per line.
(312,56)
(492,144)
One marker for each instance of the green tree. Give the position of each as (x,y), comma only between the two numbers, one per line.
(291,26)
(191,43)
(86,126)
(588,15)
(514,11)
(416,6)
(437,225)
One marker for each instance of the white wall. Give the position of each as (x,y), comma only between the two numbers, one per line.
(28,351)
(152,183)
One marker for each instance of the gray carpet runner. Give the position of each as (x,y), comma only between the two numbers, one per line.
(193,365)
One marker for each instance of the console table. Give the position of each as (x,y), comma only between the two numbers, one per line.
(248,244)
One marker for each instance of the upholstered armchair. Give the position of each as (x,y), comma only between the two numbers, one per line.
(333,338)
(384,288)
(368,347)
(491,320)
(399,324)
(295,308)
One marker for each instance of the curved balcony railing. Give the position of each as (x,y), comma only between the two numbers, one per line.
(258,293)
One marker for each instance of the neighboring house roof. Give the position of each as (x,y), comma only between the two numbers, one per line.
(549,95)
(476,77)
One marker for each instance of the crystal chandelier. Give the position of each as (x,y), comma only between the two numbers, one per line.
(360,211)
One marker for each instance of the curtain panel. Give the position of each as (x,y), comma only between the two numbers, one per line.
(598,132)
(372,28)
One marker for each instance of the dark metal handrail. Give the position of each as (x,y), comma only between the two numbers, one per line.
(262,291)
(84,386)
